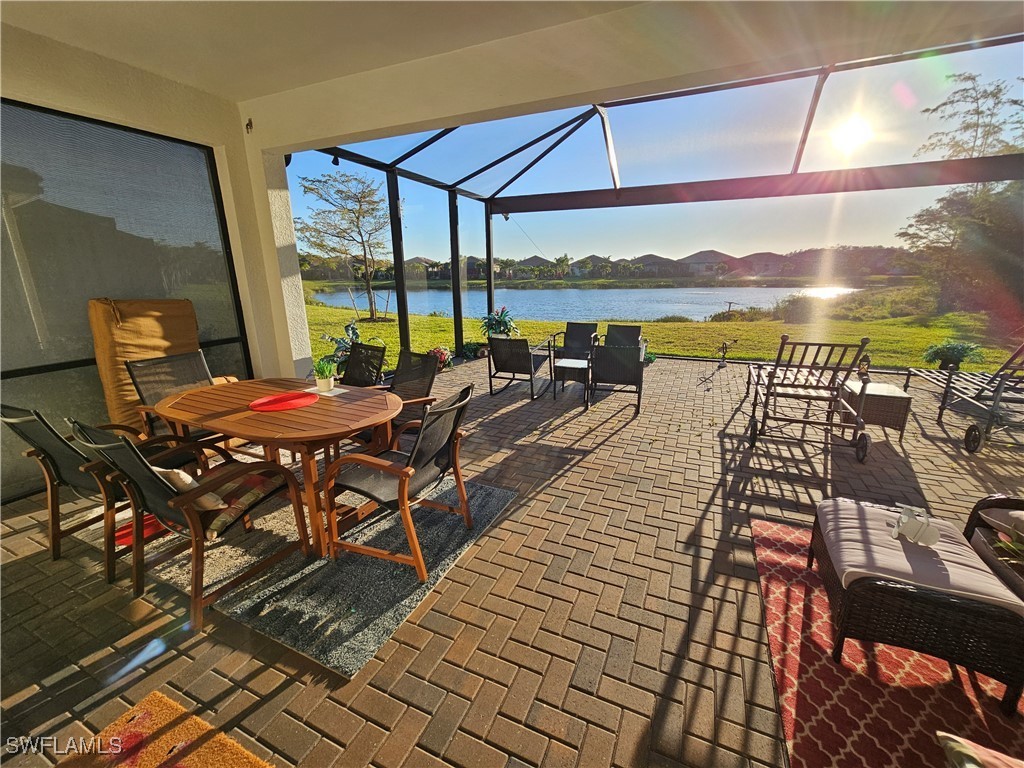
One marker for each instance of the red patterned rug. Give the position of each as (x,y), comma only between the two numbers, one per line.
(883,706)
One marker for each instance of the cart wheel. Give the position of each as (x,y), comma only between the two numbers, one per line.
(753,431)
(973,439)
(861,449)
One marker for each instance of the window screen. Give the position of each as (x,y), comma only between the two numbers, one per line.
(93,210)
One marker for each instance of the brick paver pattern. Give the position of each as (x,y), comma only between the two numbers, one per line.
(610,617)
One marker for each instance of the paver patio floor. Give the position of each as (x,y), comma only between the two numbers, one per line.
(611,617)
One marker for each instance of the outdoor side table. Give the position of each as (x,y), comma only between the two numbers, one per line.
(885,405)
(569,369)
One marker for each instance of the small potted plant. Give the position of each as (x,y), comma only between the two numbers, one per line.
(499,323)
(950,354)
(444,356)
(323,370)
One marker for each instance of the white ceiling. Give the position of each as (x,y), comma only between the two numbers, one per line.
(242,50)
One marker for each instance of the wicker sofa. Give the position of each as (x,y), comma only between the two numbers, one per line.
(964,614)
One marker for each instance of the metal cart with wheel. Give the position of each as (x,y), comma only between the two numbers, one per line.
(998,398)
(803,391)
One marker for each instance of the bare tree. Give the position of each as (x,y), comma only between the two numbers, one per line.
(351,225)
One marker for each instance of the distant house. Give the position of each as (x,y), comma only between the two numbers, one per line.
(764,264)
(585,267)
(476,268)
(537,262)
(705,263)
(652,265)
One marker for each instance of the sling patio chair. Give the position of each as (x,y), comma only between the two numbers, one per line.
(396,480)
(196,509)
(363,366)
(412,381)
(803,388)
(577,339)
(510,359)
(64,465)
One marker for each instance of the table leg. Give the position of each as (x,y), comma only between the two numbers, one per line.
(316,519)
(381,438)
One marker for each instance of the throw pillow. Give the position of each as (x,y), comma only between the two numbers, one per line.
(961,753)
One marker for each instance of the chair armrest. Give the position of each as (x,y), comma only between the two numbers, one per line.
(400,471)
(378,386)
(544,346)
(420,401)
(31,453)
(995,501)
(402,429)
(130,430)
(196,449)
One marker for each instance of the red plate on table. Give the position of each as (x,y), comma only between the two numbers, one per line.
(285,401)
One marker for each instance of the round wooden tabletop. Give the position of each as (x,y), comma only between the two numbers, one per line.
(224,408)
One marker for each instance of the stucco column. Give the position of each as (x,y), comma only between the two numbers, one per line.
(288,263)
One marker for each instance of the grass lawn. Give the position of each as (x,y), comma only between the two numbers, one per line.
(895,342)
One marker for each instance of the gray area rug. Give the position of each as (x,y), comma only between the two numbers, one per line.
(336,612)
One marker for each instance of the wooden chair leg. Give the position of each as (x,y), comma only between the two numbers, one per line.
(198,549)
(247,523)
(109,545)
(414,544)
(138,553)
(53,511)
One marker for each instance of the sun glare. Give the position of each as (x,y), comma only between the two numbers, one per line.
(850,135)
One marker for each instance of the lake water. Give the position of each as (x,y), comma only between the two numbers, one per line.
(593,304)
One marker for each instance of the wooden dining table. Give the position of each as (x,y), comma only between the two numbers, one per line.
(346,411)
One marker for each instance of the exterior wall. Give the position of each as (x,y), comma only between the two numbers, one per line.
(40,71)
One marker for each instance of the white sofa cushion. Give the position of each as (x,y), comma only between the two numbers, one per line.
(859,540)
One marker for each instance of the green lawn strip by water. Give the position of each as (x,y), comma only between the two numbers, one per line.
(897,342)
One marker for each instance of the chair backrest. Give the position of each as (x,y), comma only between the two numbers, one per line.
(413,379)
(1010,375)
(623,335)
(813,365)
(579,336)
(432,453)
(152,491)
(158,377)
(365,362)
(510,355)
(615,365)
(61,457)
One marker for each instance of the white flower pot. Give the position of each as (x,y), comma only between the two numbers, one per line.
(325,385)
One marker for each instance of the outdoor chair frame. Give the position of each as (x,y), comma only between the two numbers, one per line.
(512,360)
(811,375)
(176,511)
(973,634)
(396,480)
(999,396)
(619,368)
(364,364)
(412,381)
(64,465)
(577,339)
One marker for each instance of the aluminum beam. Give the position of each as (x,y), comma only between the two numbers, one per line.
(925,174)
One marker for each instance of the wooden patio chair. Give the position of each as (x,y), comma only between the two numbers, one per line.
(64,465)
(396,480)
(364,365)
(196,509)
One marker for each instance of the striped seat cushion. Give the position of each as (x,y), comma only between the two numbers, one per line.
(240,495)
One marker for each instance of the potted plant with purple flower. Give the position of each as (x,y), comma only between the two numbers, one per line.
(499,323)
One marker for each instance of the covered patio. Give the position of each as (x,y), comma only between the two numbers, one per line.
(611,617)
(614,613)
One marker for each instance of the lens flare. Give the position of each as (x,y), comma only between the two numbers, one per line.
(850,135)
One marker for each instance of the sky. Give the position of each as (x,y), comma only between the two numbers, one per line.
(865,117)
